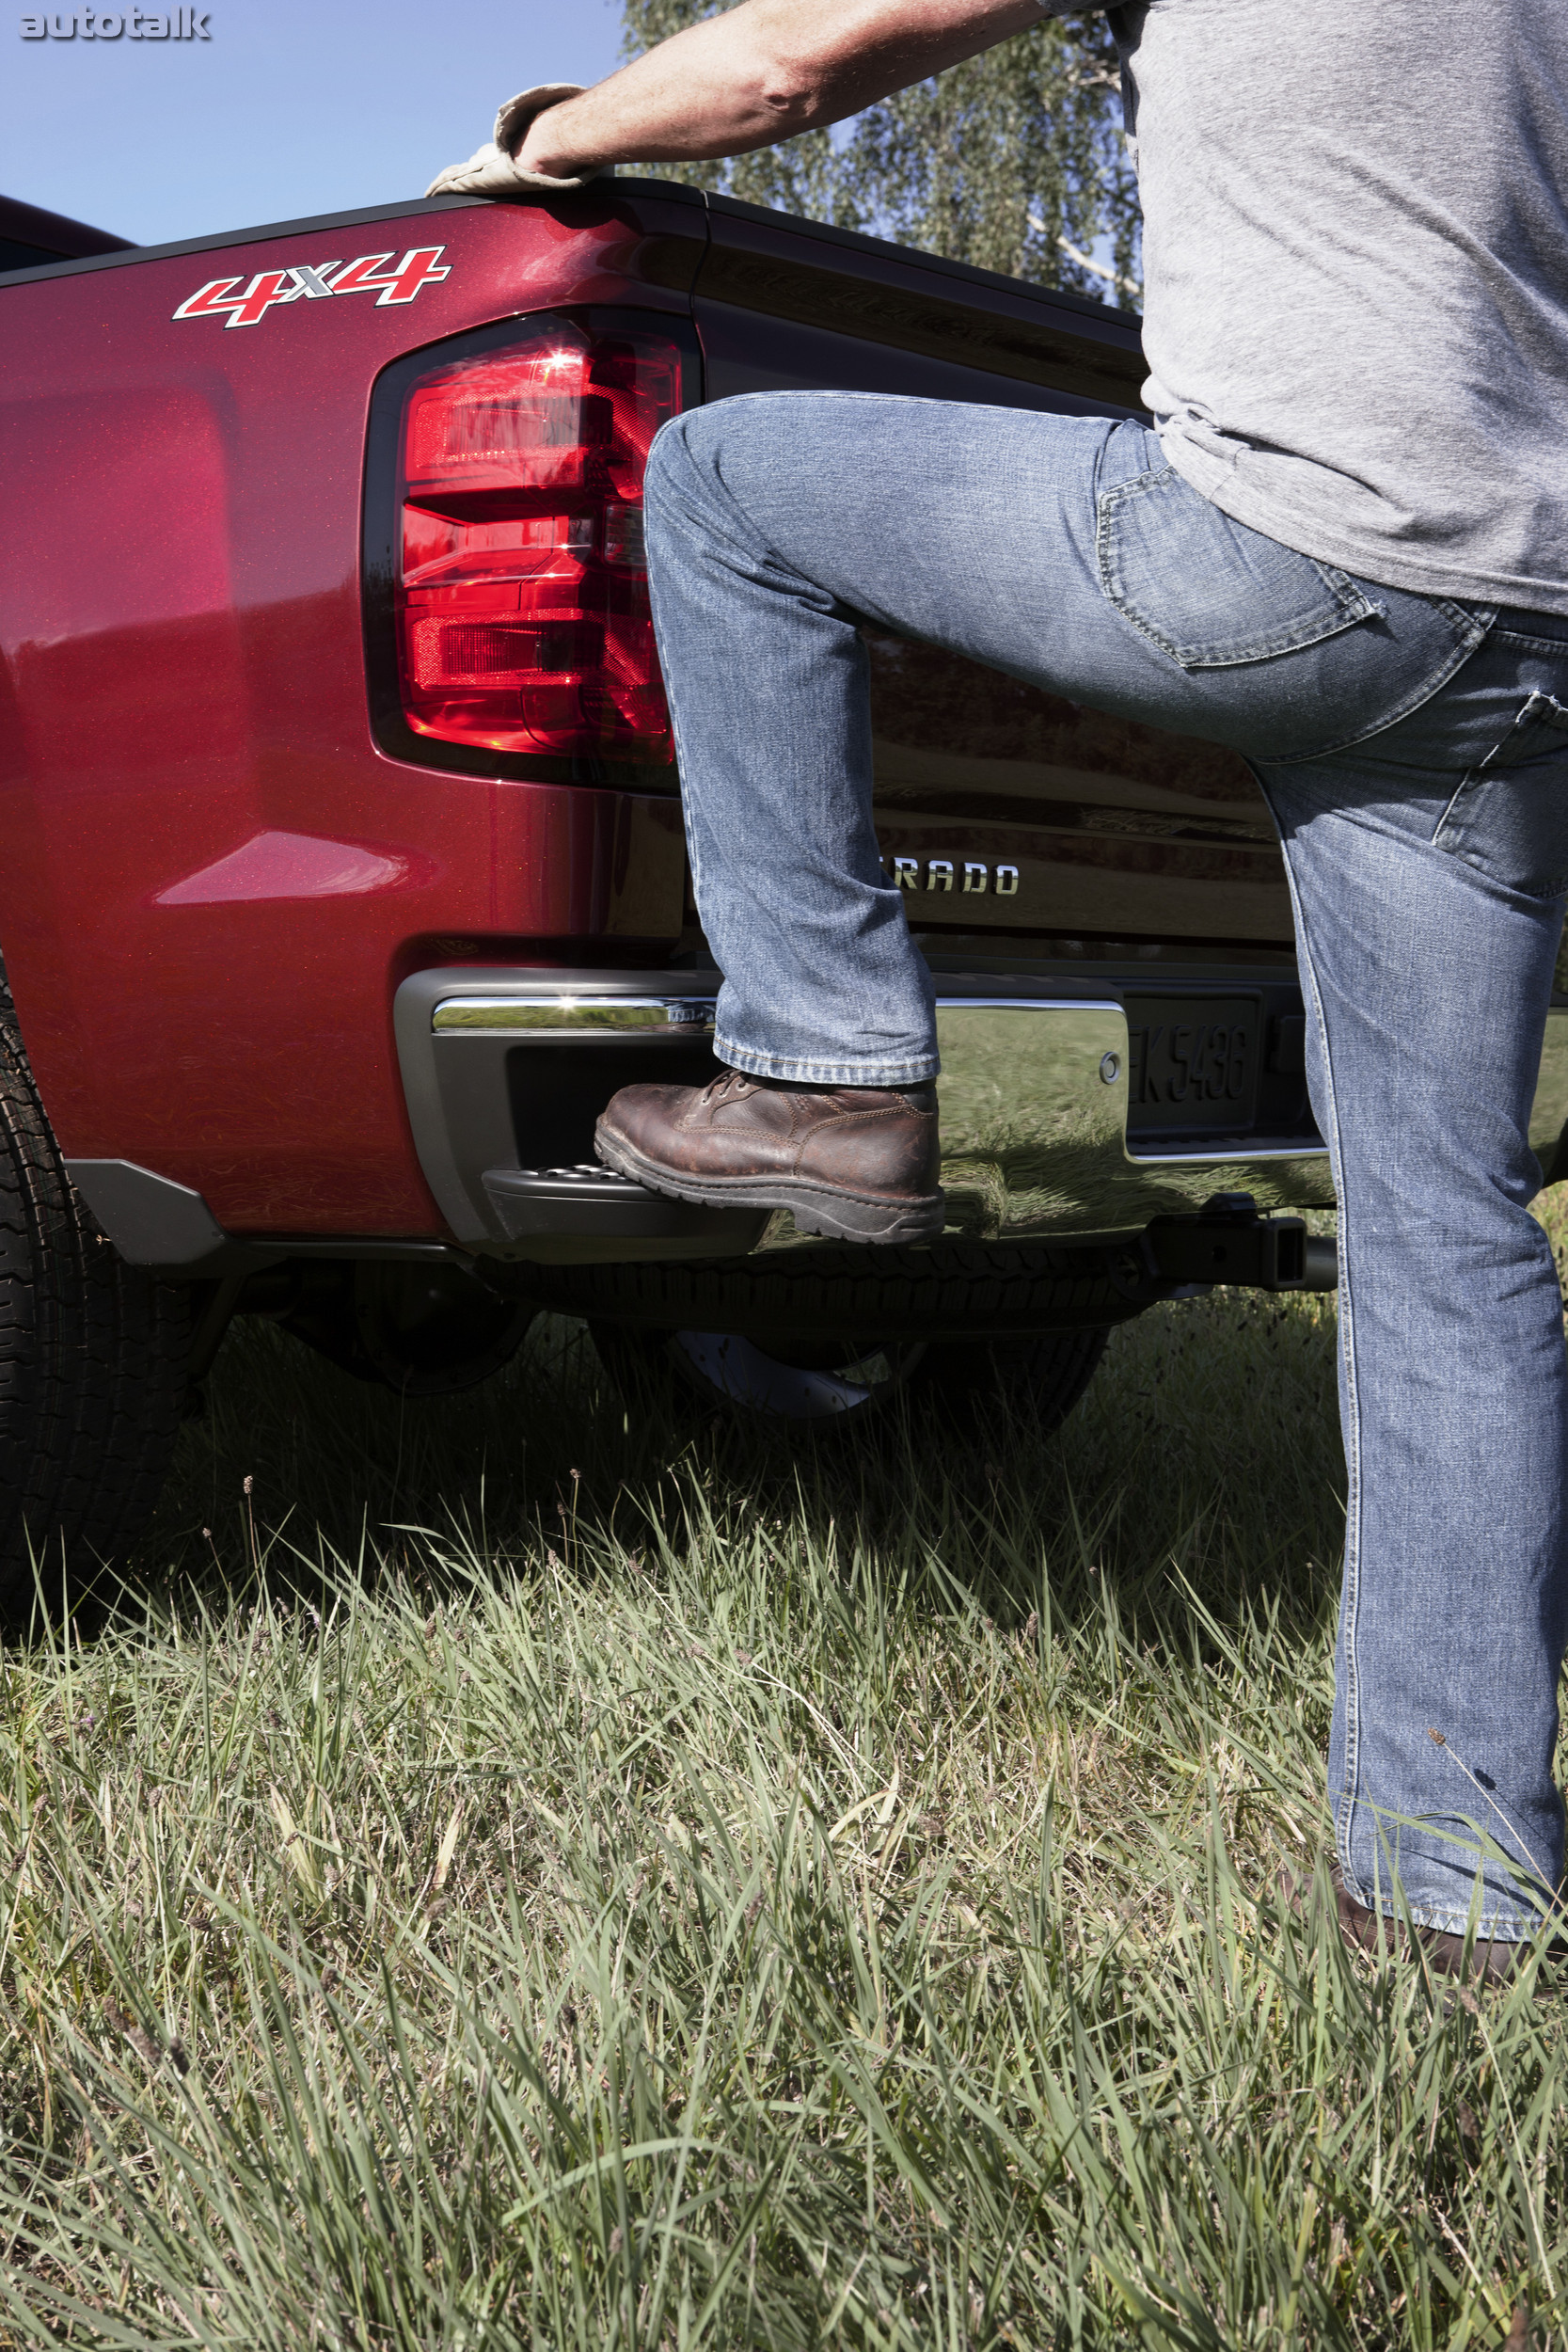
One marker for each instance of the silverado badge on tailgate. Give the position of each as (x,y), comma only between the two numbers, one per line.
(248,306)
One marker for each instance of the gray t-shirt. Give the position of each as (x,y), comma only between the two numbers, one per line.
(1356,269)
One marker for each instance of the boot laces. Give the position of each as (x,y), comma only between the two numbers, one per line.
(728,1083)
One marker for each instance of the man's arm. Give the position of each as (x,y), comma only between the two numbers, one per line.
(762,72)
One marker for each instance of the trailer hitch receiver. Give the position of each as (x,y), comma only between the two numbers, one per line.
(1228,1242)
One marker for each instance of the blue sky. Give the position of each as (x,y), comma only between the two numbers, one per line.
(290,108)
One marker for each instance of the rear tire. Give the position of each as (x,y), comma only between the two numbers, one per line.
(93,1357)
(1039,1377)
(809,1385)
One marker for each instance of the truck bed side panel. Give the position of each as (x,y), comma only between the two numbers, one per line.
(213,881)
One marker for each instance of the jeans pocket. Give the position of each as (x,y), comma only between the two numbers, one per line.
(1509,817)
(1209,591)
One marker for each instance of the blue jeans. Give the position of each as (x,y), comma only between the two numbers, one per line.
(1414,754)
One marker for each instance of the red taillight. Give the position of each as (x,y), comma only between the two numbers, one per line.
(522,596)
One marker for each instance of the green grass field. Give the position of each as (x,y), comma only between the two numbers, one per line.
(516,1878)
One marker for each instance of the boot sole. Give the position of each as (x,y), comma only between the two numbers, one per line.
(816,1208)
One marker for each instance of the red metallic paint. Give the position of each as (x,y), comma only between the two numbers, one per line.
(214,880)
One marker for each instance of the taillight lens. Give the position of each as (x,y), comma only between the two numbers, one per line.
(522,597)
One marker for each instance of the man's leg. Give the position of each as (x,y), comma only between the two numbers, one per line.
(775,525)
(1427,951)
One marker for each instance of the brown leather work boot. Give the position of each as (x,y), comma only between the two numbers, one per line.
(1369,1932)
(855,1163)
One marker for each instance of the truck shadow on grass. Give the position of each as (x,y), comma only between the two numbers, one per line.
(1203,1467)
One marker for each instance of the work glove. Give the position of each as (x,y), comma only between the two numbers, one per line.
(492,170)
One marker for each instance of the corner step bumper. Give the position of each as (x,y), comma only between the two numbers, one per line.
(504,1073)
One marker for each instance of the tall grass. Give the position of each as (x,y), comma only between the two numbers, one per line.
(519,1875)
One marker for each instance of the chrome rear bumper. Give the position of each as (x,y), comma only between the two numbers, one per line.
(503,1072)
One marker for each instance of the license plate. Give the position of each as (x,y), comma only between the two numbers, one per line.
(1194,1063)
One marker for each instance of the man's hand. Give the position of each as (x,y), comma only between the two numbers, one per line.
(760,73)
(493,170)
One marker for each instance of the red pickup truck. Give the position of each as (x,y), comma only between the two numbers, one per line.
(345,878)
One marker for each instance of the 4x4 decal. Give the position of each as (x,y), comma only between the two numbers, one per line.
(247,305)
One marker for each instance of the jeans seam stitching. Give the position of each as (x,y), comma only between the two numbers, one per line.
(1353,606)
(1525,1929)
(1452,662)
(915,1070)
(1106,554)
(1345,1805)
(1537,714)
(1456,848)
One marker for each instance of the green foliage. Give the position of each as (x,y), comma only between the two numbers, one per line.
(673,1889)
(1014,160)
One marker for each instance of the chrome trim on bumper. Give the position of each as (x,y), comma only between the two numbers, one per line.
(566,1014)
